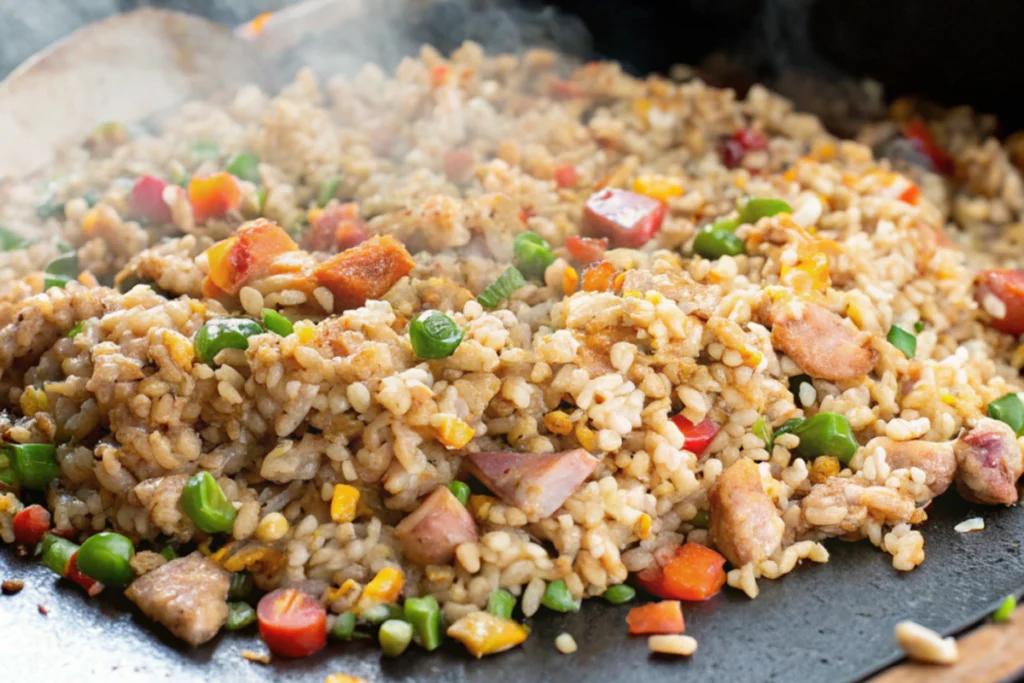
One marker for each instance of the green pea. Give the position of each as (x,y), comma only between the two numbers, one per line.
(713,243)
(1005,611)
(460,490)
(619,594)
(245,166)
(240,615)
(394,637)
(344,626)
(1008,409)
(205,504)
(500,603)
(826,434)
(106,557)
(758,207)
(277,323)
(919,326)
(902,340)
(701,520)
(502,288)
(57,553)
(241,586)
(224,333)
(10,240)
(204,150)
(532,254)
(425,616)
(34,464)
(328,188)
(557,597)
(434,335)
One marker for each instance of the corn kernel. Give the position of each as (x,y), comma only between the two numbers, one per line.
(480,505)
(585,435)
(643,527)
(91,221)
(343,503)
(383,589)
(823,467)
(33,400)
(790,175)
(453,432)
(618,282)
(258,559)
(631,293)
(557,422)
(347,586)
(483,633)
(810,272)
(570,280)
(271,528)
(304,331)
(948,399)
(658,187)
(751,356)
(1017,359)
(343,678)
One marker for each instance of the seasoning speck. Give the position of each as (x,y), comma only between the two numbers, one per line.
(12,586)
(258,657)
(565,644)
(43,610)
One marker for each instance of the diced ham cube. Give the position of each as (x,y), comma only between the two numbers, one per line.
(364,272)
(626,218)
(146,200)
(431,533)
(536,484)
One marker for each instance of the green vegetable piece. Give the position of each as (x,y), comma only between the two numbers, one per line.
(713,243)
(240,615)
(619,594)
(1008,409)
(434,335)
(763,430)
(8,478)
(1005,610)
(502,288)
(826,434)
(49,207)
(425,616)
(76,330)
(277,323)
(328,188)
(394,637)
(701,519)
(344,626)
(245,166)
(902,340)
(241,586)
(787,426)
(169,553)
(919,327)
(224,333)
(203,150)
(57,552)
(63,247)
(205,504)
(460,490)
(65,265)
(378,614)
(532,254)
(34,464)
(92,198)
(557,597)
(58,281)
(10,240)
(106,557)
(729,224)
(500,603)
(757,208)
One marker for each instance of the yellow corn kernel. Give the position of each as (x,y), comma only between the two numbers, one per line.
(453,432)
(383,589)
(618,281)
(91,222)
(823,150)
(271,528)
(751,356)
(740,182)
(655,297)
(643,527)
(343,678)
(948,399)
(570,280)
(485,634)
(314,214)
(1017,359)
(558,422)
(790,175)
(480,505)
(641,108)
(823,467)
(658,187)
(348,586)
(343,503)
(33,400)
(585,435)
(222,553)
(810,272)
(258,559)
(6,503)
(631,293)
(304,331)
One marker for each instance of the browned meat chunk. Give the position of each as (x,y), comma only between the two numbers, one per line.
(745,524)
(990,463)
(188,596)
(430,534)
(366,271)
(841,505)
(935,459)
(536,484)
(821,343)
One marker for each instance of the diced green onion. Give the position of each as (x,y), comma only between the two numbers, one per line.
(92,198)
(224,333)
(619,594)
(204,150)
(460,490)
(532,253)
(328,188)
(787,426)
(245,166)
(902,340)
(241,586)
(61,270)
(169,553)
(434,335)
(713,242)
(344,626)
(49,207)
(919,326)
(557,597)
(205,504)
(106,557)
(502,288)
(394,637)
(57,552)
(763,430)
(701,519)
(425,616)
(758,207)
(1005,610)
(34,464)
(500,603)
(240,615)
(10,240)
(826,434)
(76,330)
(277,323)
(1008,409)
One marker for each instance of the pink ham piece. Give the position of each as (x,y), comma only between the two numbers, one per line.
(626,218)
(536,484)
(430,534)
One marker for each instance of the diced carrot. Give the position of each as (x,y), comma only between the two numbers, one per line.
(566,175)
(438,76)
(695,573)
(236,260)
(911,195)
(364,272)
(220,266)
(214,195)
(599,277)
(570,279)
(586,249)
(664,617)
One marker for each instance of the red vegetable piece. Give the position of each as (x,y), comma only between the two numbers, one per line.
(73,573)
(626,218)
(586,250)
(146,200)
(30,524)
(566,175)
(917,131)
(656,617)
(750,140)
(698,436)
(1008,287)
(292,623)
(694,573)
